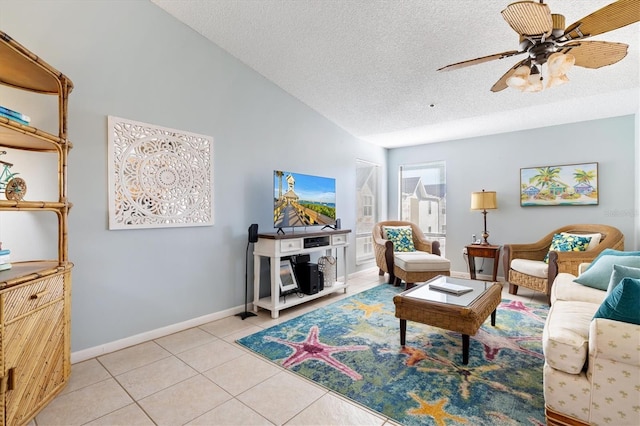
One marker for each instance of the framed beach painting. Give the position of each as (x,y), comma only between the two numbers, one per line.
(565,185)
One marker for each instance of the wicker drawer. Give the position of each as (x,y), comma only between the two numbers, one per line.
(21,300)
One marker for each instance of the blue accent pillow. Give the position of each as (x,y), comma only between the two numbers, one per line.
(623,303)
(401,237)
(598,274)
(619,273)
(567,242)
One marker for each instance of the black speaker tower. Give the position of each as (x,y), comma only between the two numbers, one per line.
(253,238)
(308,278)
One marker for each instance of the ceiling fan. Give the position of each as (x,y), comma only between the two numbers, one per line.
(544,39)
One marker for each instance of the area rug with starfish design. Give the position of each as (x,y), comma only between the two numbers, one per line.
(352,347)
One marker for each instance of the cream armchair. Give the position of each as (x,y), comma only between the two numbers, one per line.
(421,265)
(524,263)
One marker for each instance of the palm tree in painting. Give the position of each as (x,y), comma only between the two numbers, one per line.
(545,180)
(545,177)
(583,176)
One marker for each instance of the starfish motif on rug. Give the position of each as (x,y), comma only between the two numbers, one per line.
(364,330)
(494,343)
(312,348)
(535,421)
(415,355)
(435,410)
(366,308)
(469,375)
(517,306)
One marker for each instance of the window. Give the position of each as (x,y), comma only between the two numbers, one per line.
(367,206)
(368,194)
(423,201)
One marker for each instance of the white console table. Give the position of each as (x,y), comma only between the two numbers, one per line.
(275,246)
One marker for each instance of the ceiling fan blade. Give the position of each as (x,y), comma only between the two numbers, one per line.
(502,83)
(616,15)
(480,60)
(528,18)
(595,54)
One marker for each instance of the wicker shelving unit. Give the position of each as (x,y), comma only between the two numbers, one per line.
(35,296)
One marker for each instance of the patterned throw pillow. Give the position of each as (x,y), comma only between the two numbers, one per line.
(595,239)
(401,237)
(622,303)
(567,242)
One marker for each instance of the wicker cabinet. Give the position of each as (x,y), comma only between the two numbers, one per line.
(35,295)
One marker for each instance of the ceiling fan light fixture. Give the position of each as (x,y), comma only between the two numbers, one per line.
(542,35)
(560,63)
(520,78)
(534,86)
(534,83)
(557,81)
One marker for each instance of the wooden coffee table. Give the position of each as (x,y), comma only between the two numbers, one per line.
(461,313)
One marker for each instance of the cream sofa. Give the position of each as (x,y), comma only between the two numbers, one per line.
(592,366)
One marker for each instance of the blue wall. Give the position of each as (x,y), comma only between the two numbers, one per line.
(131,59)
(493,163)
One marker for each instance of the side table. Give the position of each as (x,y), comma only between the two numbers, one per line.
(486,251)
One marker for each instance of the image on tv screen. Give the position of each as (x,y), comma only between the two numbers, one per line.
(303,200)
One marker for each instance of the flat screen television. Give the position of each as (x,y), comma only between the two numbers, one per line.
(303,200)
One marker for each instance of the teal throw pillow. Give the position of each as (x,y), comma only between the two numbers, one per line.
(623,302)
(619,273)
(567,242)
(612,252)
(598,274)
(401,237)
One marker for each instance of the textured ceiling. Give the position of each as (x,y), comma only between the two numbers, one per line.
(370,65)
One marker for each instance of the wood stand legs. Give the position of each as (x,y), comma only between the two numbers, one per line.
(465,349)
(403,331)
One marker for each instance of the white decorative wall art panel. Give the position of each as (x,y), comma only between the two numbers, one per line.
(158,177)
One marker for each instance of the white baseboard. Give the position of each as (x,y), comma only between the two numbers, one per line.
(488,277)
(106,348)
(483,277)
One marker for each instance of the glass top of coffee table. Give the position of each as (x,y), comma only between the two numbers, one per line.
(426,292)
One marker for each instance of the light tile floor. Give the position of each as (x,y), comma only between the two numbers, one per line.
(200,376)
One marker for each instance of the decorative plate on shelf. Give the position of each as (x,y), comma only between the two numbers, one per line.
(16,189)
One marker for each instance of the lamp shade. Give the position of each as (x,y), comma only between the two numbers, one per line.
(485,200)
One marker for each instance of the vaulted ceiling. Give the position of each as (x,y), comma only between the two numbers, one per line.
(370,65)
